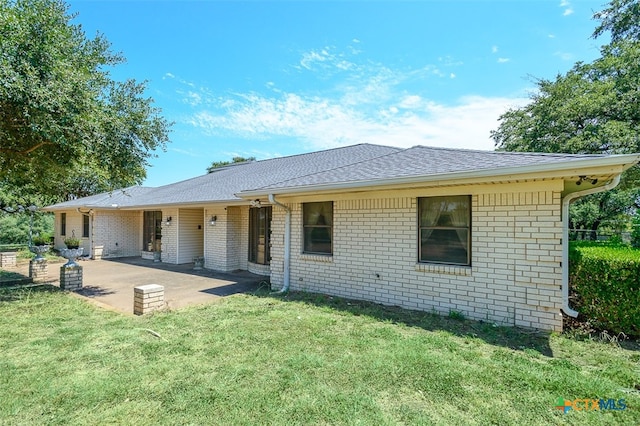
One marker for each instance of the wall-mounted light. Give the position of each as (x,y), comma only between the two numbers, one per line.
(168,221)
(212,222)
(255,203)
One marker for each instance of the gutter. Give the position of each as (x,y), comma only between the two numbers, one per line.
(287,243)
(565,238)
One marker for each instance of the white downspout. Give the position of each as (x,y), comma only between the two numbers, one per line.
(287,242)
(565,238)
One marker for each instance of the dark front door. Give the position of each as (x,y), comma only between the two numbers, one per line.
(259,233)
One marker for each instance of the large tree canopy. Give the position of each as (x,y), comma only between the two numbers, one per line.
(66,128)
(594,108)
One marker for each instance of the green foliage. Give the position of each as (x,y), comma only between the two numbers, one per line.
(218,164)
(67,128)
(606,281)
(42,239)
(14,228)
(72,242)
(621,19)
(635,232)
(592,109)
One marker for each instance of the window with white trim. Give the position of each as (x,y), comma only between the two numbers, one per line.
(317,224)
(444,225)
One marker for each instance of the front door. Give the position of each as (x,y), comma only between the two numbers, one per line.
(259,235)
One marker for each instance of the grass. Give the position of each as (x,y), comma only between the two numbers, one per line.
(298,359)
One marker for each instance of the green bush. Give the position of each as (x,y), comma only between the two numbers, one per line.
(605,281)
(635,232)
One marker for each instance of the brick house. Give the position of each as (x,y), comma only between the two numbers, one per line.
(477,232)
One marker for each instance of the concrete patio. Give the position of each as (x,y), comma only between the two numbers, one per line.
(111,282)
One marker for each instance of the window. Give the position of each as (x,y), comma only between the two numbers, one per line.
(259,230)
(63,224)
(152,230)
(317,223)
(85,226)
(445,229)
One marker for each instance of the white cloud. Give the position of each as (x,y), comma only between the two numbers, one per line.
(565,56)
(494,49)
(323,123)
(503,60)
(567,8)
(369,103)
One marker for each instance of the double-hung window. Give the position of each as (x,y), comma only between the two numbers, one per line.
(63,224)
(85,226)
(445,229)
(317,223)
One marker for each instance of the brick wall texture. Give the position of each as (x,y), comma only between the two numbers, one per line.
(514,278)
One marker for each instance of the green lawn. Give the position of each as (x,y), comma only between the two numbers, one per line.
(299,359)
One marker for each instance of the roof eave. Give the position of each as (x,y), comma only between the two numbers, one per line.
(623,161)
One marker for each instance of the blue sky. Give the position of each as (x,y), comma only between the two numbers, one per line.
(267,79)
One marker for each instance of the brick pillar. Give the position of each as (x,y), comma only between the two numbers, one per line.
(71,277)
(147,298)
(8,259)
(38,270)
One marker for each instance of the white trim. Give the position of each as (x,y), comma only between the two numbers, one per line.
(511,173)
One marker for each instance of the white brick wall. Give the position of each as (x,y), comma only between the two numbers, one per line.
(170,235)
(515,277)
(119,232)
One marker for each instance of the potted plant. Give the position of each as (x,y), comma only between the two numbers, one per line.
(73,250)
(39,245)
(72,242)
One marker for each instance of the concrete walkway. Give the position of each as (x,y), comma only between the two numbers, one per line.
(111,282)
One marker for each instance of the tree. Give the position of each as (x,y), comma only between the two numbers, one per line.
(592,109)
(66,128)
(218,164)
(621,19)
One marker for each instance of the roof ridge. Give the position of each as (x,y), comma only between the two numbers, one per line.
(484,151)
(246,163)
(397,151)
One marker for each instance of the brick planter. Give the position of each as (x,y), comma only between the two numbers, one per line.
(71,277)
(8,259)
(38,270)
(147,298)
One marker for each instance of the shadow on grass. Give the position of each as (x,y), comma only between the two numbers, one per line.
(509,337)
(11,278)
(15,294)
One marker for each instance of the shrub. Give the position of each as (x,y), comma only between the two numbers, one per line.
(635,232)
(606,283)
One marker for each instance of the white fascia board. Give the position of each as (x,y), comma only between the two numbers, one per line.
(512,173)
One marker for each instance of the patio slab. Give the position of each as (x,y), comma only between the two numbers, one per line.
(111,282)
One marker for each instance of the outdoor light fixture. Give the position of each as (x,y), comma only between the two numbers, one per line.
(585,178)
(212,222)
(256,203)
(168,222)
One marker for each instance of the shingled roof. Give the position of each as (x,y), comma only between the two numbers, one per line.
(353,166)
(423,161)
(223,184)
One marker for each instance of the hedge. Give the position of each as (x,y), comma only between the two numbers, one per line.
(605,285)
